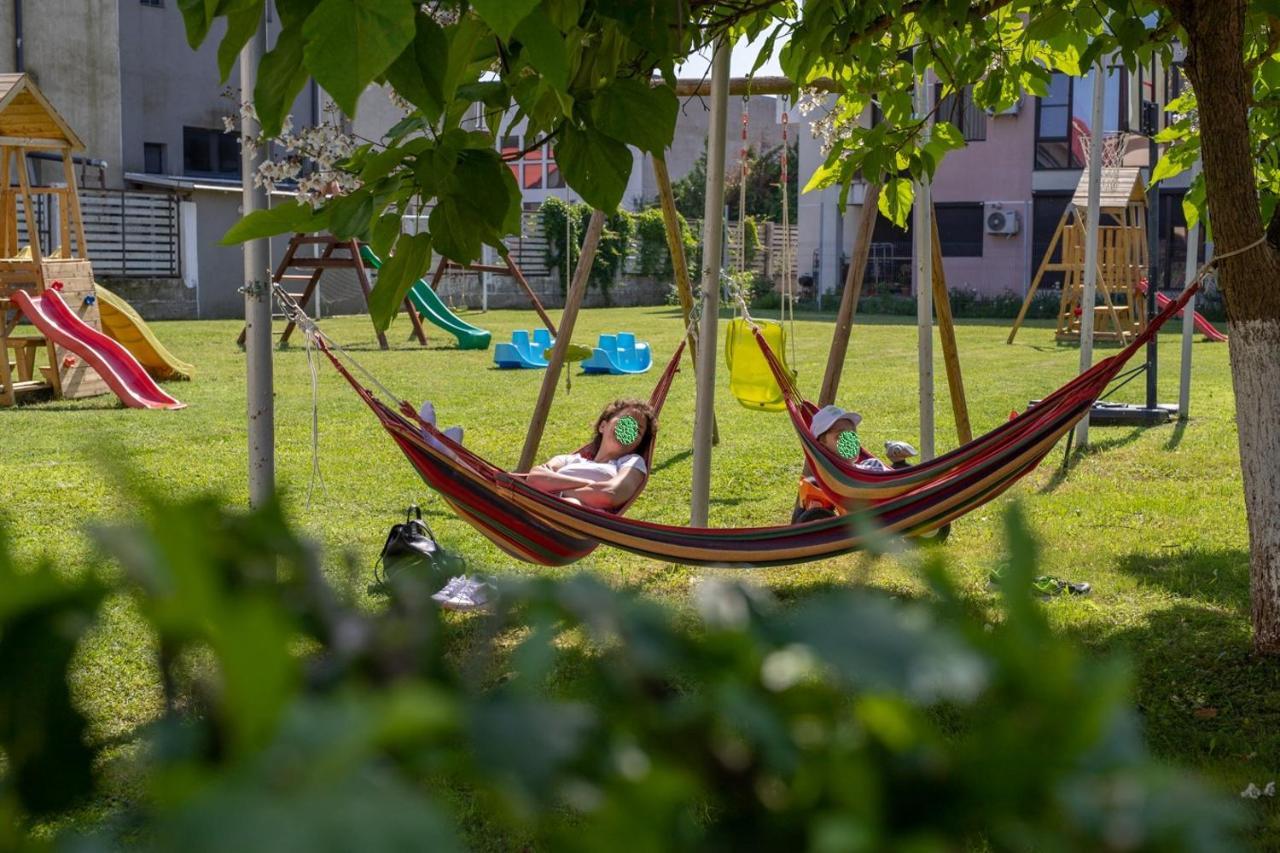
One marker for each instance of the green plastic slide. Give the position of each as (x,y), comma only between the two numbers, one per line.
(431,307)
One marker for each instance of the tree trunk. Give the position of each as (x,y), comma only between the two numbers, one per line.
(1250,284)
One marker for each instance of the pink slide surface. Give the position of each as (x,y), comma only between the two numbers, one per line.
(120,370)
(1204,326)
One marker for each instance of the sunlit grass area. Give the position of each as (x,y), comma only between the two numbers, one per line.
(1152,518)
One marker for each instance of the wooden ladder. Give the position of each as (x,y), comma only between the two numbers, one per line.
(314,269)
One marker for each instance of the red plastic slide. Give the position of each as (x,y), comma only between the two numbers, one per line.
(120,370)
(1204,326)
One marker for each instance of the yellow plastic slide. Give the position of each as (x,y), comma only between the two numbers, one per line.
(122,323)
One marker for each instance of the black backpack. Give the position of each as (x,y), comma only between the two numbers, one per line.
(409,546)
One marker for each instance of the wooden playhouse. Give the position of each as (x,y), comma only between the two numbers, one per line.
(1122,259)
(29,362)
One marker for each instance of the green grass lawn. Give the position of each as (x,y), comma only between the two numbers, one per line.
(1153,518)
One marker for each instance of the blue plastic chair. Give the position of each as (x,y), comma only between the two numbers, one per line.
(618,354)
(523,352)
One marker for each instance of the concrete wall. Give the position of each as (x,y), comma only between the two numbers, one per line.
(997,169)
(156,298)
(463,291)
(71,50)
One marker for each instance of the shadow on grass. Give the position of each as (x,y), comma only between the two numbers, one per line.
(1205,699)
(1219,577)
(1175,438)
(674,459)
(1063,470)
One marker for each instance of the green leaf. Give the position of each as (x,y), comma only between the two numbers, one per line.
(281,76)
(288,218)
(350,215)
(545,47)
(896,198)
(947,135)
(242,23)
(417,74)
(197,15)
(573,352)
(823,176)
(477,183)
(385,232)
(456,230)
(595,165)
(409,263)
(350,42)
(632,111)
(464,39)
(503,15)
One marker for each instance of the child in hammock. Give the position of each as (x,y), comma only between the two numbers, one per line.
(837,430)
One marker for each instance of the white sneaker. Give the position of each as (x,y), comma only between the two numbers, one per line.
(454,584)
(471,594)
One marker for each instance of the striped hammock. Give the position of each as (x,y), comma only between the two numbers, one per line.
(1051,417)
(541,528)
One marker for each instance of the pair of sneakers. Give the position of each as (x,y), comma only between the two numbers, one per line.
(466,593)
(454,433)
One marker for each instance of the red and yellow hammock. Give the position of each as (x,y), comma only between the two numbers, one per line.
(540,528)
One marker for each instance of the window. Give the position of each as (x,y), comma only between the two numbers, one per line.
(154,4)
(1062,117)
(960,229)
(153,158)
(536,169)
(958,109)
(210,152)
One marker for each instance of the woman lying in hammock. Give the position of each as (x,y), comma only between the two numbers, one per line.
(612,470)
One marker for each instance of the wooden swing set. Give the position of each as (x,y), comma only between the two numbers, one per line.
(1122,260)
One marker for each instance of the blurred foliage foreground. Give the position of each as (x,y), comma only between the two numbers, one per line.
(295,721)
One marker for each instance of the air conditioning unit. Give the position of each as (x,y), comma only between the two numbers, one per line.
(1000,221)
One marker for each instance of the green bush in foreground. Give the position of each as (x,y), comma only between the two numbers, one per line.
(848,721)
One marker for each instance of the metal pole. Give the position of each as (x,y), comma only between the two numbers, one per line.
(712,240)
(1096,119)
(1189,312)
(923,227)
(1153,246)
(257,297)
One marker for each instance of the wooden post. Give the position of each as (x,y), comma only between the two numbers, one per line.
(947,333)
(852,292)
(8,246)
(533,297)
(73,206)
(1035,281)
(28,211)
(679,264)
(573,300)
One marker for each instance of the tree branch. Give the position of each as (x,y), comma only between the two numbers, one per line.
(1273,43)
(536,144)
(887,20)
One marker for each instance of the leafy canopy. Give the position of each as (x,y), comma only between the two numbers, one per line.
(595,79)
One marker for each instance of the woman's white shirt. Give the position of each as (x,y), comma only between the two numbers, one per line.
(575,465)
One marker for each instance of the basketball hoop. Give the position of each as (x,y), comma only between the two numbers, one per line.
(1114,147)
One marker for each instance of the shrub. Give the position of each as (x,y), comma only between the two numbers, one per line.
(554,216)
(297,720)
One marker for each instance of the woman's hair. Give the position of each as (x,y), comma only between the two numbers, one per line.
(638,409)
